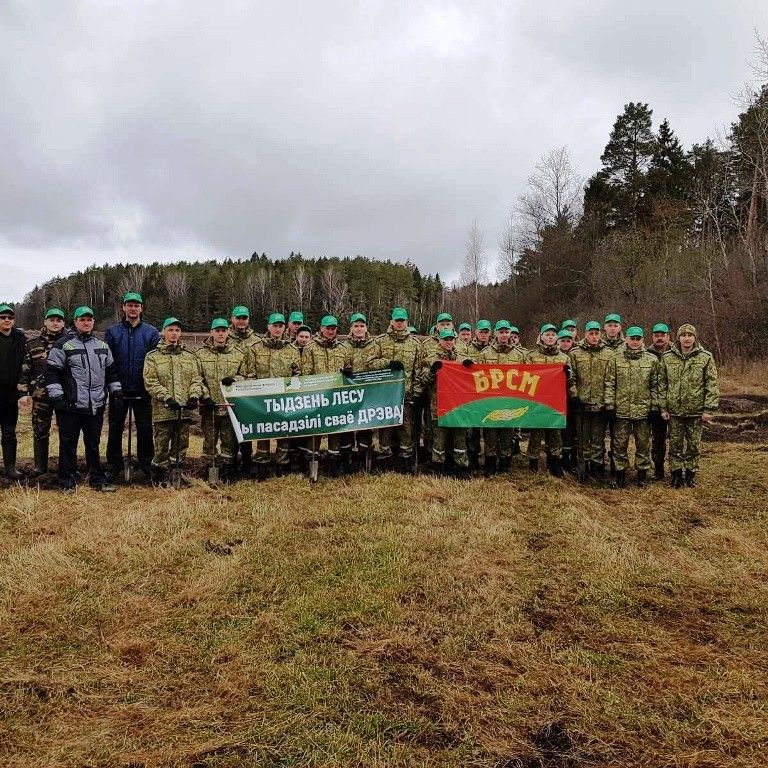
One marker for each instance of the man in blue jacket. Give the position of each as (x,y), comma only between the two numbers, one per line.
(129,341)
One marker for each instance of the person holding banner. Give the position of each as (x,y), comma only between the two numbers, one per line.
(589,361)
(565,341)
(498,440)
(221,362)
(547,352)
(399,350)
(474,349)
(327,354)
(446,441)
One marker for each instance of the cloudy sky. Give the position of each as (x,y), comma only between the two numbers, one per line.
(141,130)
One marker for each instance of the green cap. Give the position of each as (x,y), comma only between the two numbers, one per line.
(483,325)
(612,318)
(218,322)
(412,329)
(241,311)
(171,321)
(447,333)
(329,321)
(514,329)
(276,317)
(564,334)
(465,327)
(398,313)
(303,328)
(358,317)
(592,325)
(660,328)
(82,312)
(132,296)
(547,327)
(500,324)
(569,324)
(55,312)
(432,330)
(7,308)
(635,331)
(296,317)
(442,317)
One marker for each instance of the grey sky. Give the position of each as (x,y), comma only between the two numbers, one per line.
(151,129)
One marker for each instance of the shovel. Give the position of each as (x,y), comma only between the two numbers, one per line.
(176,471)
(127,464)
(213,470)
(314,464)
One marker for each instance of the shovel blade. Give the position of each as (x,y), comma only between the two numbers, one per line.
(314,465)
(127,470)
(213,475)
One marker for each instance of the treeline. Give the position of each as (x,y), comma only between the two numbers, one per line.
(198,291)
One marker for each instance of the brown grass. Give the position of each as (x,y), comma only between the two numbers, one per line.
(379,622)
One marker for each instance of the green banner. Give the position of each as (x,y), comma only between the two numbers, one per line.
(324,404)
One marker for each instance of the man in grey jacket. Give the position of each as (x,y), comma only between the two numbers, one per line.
(80,371)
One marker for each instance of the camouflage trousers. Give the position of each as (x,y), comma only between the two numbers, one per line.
(623,430)
(498,442)
(590,431)
(282,453)
(42,414)
(404,435)
(684,442)
(217,428)
(445,441)
(166,445)
(553,441)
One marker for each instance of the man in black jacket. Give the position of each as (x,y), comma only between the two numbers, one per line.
(12,342)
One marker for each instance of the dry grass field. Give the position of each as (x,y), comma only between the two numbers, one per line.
(512,623)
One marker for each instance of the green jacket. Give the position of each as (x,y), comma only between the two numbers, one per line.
(632,383)
(360,349)
(35,362)
(688,383)
(475,349)
(650,348)
(495,353)
(544,355)
(589,365)
(402,346)
(171,372)
(427,379)
(615,344)
(275,358)
(247,340)
(217,363)
(322,356)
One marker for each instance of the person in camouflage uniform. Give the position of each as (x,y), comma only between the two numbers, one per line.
(398,350)
(499,440)
(517,433)
(242,335)
(659,428)
(432,342)
(632,394)
(174,381)
(548,353)
(446,441)
(33,377)
(295,321)
(573,328)
(473,351)
(359,343)
(327,354)
(613,338)
(221,362)
(275,358)
(465,334)
(589,362)
(689,395)
(565,341)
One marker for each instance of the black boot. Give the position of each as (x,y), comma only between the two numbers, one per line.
(474,460)
(598,471)
(555,466)
(159,476)
(533,465)
(676,478)
(658,471)
(436,468)
(621,478)
(9,459)
(490,466)
(690,478)
(383,464)
(642,477)
(515,446)
(40,450)
(462,473)
(504,464)
(260,471)
(565,459)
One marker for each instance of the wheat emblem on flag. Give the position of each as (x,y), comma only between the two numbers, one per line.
(506,414)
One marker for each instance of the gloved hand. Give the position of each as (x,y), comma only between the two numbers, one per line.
(654,416)
(191,403)
(59,404)
(117,400)
(172,405)
(467,362)
(396,365)
(574,402)
(208,403)
(610,415)
(436,366)
(228,381)
(346,372)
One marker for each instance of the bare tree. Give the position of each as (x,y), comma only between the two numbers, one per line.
(62,292)
(176,286)
(508,253)
(262,286)
(474,270)
(96,287)
(335,291)
(301,287)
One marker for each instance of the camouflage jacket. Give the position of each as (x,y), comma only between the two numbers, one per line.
(323,356)
(688,383)
(589,365)
(475,349)
(171,372)
(246,340)
(217,363)
(613,344)
(428,380)
(275,358)
(544,355)
(650,348)
(496,353)
(401,346)
(360,349)
(35,362)
(632,383)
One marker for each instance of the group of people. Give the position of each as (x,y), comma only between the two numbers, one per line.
(619,388)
